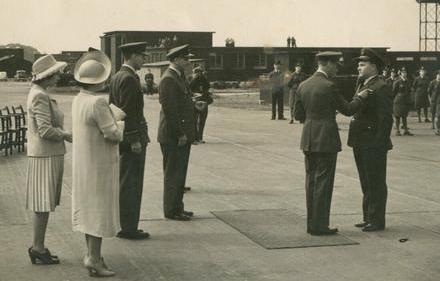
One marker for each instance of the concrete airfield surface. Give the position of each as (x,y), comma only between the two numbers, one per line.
(248,163)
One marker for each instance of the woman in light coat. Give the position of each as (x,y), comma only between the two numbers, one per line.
(98,131)
(45,150)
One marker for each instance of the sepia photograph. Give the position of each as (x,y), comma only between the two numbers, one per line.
(220,140)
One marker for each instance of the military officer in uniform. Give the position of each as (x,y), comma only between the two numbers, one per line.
(277,90)
(297,77)
(316,104)
(176,132)
(126,93)
(434,94)
(369,136)
(402,102)
(200,85)
(420,88)
(393,77)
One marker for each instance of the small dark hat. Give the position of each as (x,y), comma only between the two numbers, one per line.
(372,56)
(298,64)
(328,55)
(277,63)
(181,51)
(149,75)
(133,48)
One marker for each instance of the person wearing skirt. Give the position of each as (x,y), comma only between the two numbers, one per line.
(95,154)
(45,151)
(402,102)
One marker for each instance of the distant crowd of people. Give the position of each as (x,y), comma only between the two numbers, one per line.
(422,94)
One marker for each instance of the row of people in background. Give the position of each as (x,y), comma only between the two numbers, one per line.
(108,151)
(423,91)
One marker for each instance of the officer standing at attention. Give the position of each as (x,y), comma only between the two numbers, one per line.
(200,85)
(297,77)
(176,132)
(369,136)
(393,77)
(316,104)
(420,87)
(434,94)
(126,93)
(277,86)
(402,102)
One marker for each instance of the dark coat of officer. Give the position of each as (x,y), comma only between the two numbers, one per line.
(316,104)
(277,91)
(402,97)
(126,93)
(420,87)
(200,84)
(434,93)
(176,120)
(369,136)
(293,85)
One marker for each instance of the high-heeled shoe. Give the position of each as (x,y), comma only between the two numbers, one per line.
(42,258)
(98,269)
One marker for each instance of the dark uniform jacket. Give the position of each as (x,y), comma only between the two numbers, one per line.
(277,81)
(420,87)
(390,81)
(316,104)
(434,92)
(126,93)
(293,85)
(177,113)
(371,126)
(200,85)
(402,92)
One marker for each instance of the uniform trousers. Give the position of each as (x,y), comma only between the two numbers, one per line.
(320,176)
(278,100)
(131,178)
(200,117)
(175,167)
(372,164)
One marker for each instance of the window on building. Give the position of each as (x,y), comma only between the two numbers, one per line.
(428,58)
(239,61)
(215,61)
(261,61)
(404,59)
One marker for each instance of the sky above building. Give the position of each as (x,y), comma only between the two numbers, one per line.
(55,25)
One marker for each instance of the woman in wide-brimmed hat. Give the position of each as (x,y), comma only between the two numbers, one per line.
(98,129)
(45,150)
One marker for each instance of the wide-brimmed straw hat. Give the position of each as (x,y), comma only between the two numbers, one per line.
(46,66)
(93,67)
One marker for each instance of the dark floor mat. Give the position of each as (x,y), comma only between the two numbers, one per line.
(277,229)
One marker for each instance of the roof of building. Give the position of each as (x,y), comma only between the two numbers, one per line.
(166,62)
(154,31)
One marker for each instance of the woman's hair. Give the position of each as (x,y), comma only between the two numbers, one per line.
(47,78)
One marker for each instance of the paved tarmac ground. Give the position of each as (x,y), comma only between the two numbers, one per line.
(248,163)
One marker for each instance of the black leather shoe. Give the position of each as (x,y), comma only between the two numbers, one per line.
(361,224)
(188,213)
(372,227)
(328,231)
(281,118)
(180,217)
(186,189)
(135,235)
